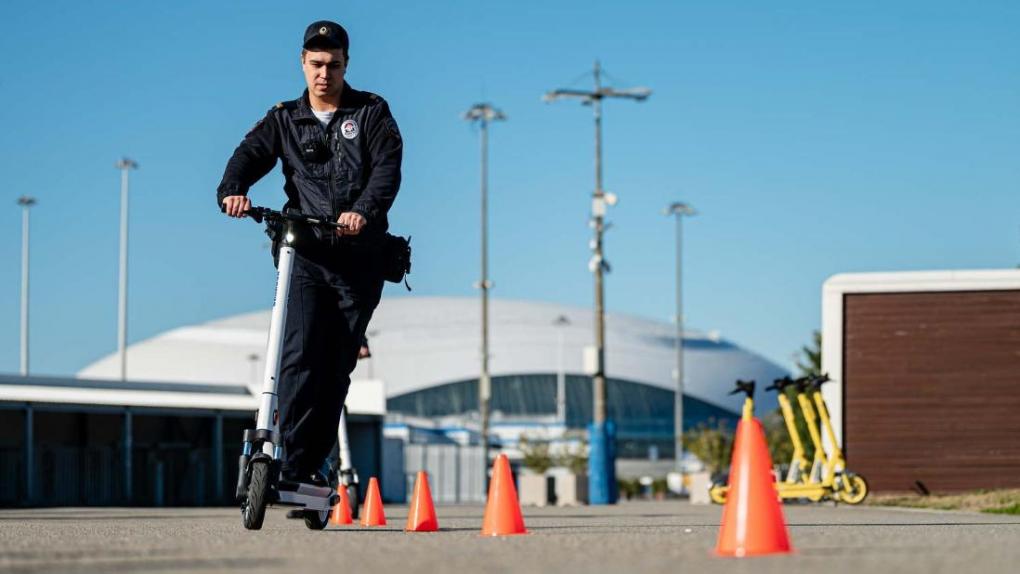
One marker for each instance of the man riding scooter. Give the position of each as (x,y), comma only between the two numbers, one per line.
(340,151)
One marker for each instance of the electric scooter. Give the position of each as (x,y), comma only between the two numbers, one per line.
(258,478)
(717,492)
(799,465)
(847,486)
(811,418)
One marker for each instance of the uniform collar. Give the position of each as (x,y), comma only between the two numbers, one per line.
(350,100)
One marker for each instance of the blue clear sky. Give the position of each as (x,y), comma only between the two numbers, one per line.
(814,138)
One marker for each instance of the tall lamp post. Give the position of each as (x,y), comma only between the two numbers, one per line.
(483,114)
(600,462)
(679,210)
(124,165)
(25,202)
(561,323)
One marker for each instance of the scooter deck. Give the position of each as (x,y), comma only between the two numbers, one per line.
(305,495)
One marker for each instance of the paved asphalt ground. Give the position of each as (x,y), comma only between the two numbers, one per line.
(631,537)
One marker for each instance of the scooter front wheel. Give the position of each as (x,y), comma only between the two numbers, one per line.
(253,507)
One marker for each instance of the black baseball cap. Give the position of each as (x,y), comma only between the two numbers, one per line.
(326,34)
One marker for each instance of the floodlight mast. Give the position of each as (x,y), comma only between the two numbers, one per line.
(25,202)
(124,165)
(483,114)
(679,210)
(600,453)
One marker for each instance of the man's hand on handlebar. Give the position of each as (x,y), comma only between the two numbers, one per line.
(236,205)
(353,223)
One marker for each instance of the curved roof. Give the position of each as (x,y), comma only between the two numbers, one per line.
(420,342)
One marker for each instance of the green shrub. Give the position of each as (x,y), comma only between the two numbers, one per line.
(574,459)
(536,455)
(711,444)
(629,488)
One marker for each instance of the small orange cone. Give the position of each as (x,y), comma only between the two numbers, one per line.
(752,521)
(342,509)
(502,511)
(422,516)
(372,513)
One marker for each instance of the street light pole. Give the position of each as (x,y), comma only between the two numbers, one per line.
(679,210)
(561,323)
(600,462)
(124,165)
(483,114)
(25,202)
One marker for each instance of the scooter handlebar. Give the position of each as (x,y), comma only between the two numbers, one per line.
(780,384)
(820,380)
(746,387)
(260,214)
(813,382)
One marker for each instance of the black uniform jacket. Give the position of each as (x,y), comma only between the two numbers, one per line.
(353,164)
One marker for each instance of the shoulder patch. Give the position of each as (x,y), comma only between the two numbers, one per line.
(280,106)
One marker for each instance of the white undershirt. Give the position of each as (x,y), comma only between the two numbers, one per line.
(324,117)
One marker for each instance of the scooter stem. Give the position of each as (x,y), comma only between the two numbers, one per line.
(269,414)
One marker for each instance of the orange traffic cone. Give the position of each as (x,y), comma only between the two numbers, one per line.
(342,509)
(752,521)
(502,511)
(422,516)
(372,513)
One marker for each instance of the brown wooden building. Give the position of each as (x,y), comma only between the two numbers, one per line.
(927,377)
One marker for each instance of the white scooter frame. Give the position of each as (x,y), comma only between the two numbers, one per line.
(347,476)
(258,480)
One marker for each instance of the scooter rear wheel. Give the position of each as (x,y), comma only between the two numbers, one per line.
(316,520)
(352,497)
(253,507)
(718,493)
(857,492)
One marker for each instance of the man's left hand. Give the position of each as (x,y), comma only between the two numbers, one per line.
(354,223)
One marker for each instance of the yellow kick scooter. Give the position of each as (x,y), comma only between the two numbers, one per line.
(829,477)
(845,486)
(800,466)
(717,492)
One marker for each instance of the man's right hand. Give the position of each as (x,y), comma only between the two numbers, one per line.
(236,205)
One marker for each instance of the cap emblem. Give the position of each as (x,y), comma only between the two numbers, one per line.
(324,30)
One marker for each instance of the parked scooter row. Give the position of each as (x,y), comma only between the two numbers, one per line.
(824,478)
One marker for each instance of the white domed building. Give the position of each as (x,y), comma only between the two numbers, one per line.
(425,353)
(169,433)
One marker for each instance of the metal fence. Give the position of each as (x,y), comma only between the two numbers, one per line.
(456,473)
(70,476)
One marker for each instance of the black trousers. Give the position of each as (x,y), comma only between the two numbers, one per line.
(332,296)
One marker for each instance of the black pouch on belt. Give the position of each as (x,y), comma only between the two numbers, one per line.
(396,259)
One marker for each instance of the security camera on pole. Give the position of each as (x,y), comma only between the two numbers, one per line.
(601,460)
